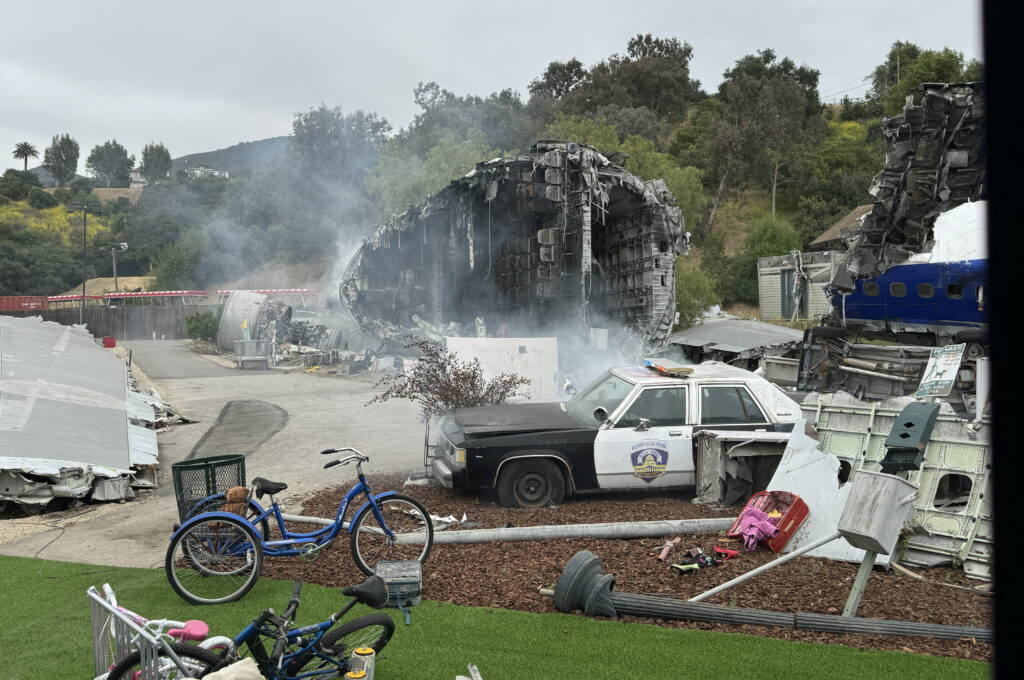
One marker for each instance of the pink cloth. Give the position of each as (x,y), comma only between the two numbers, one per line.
(756,525)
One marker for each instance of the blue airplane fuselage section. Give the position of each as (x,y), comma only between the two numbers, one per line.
(932,295)
(940,291)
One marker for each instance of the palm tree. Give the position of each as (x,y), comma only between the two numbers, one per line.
(24,151)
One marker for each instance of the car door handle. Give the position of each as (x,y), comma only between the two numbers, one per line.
(675,433)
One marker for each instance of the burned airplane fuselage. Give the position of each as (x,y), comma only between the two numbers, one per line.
(559,238)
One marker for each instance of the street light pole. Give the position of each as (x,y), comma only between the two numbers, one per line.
(85,208)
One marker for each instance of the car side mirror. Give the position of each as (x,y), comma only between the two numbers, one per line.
(645,424)
(600,415)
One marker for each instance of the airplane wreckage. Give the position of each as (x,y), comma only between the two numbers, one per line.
(917,263)
(527,245)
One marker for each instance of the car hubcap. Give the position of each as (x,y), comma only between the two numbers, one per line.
(533,488)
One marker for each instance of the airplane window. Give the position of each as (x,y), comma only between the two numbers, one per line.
(897,289)
(925,290)
(871,288)
(954,291)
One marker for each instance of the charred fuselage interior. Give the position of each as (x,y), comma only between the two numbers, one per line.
(560,238)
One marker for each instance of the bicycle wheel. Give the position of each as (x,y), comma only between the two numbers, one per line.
(403,515)
(215,560)
(196,659)
(252,511)
(334,650)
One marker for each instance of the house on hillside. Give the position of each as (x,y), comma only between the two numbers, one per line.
(136,180)
(198,172)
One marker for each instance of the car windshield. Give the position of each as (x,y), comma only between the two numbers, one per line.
(607,391)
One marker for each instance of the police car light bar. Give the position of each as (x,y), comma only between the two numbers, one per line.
(669,368)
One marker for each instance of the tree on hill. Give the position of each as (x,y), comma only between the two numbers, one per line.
(61,158)
(25,150)
(653,74)
(337,146)
(156,162)
(770,116)
(110,164)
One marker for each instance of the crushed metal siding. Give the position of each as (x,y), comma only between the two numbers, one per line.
(561,236)
(941,532)
(934,161)
(66,415)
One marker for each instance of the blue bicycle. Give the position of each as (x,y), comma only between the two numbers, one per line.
(280,651)
(216,556)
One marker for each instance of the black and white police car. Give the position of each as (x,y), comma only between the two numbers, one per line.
(631,428)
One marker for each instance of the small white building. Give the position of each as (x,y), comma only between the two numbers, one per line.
(793,286)
(206,172)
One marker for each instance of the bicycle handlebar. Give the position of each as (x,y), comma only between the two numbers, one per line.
(358,457)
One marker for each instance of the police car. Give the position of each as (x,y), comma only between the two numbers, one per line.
(631,428)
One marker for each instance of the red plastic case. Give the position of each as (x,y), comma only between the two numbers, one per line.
(794,512)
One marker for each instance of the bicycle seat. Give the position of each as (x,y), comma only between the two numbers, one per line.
(194,630)
(372,592)
(266,486)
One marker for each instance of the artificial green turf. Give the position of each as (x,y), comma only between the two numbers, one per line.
(48,635)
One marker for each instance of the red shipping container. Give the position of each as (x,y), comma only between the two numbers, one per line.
(19,303)
(109,342)
(794,512)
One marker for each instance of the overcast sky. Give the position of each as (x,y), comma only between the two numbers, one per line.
(204,75)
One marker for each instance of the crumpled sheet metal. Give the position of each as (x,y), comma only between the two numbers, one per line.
(935,161)
(558,236)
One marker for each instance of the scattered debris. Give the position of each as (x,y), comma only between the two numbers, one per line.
(582,586)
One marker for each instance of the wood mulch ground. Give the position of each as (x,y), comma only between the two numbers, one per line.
(509,574)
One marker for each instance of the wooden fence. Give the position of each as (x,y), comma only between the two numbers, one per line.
(160,322)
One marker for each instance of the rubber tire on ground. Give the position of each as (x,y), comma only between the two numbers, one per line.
(241,531)
(531,483)
(372,630)
(368,548)
(204,658)
(828,332)
(252,511)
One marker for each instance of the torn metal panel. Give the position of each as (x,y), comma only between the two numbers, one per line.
(934,161)
(732,465)
(65,412)
(530,244)
(728,338)
(953,518)
(879,371)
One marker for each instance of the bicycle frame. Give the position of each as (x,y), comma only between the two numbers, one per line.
(253,635)
(319,538)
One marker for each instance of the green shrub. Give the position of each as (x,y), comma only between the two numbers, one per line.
(41,199)
(203,325)
(695,293)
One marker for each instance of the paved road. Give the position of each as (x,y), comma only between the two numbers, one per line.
(279,421)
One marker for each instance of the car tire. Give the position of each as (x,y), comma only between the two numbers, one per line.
(531,483)
(828,332)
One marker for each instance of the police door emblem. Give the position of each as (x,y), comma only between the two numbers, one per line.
(649,458)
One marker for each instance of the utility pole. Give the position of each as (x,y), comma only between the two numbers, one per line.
(85,208)
(113,260)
